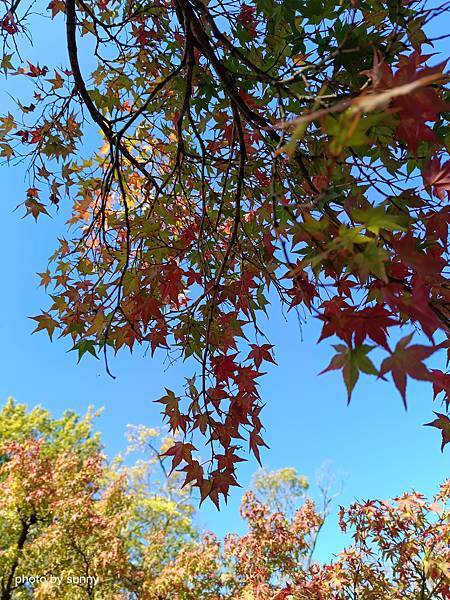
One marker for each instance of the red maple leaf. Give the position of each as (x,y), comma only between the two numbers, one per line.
(8,24)
(245,379)
(437,177)
(247,18)
(437,224)
(157,338)
(419,308)
(407,361)
(255,440)
(180,452)
(372,322)
(417,108)
(441,383)
(224,366)
(36,70)
(342,320)
(260,353)
(194,472)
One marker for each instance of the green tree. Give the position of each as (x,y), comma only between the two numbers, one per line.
(282,490)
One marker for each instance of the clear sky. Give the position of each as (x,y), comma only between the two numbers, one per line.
(373,447)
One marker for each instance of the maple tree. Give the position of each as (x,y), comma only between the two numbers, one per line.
(400,549)
(124,529)
(246,151)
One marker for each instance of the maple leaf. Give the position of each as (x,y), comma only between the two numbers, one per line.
(377,218)
(180,452)
(57,82)
(228,460)
(45,279)
(412,253)
(194,472)
(207,491)
(407,361)
(221,483)
(255,441)
(437,177)
(157,338)
(56,6)
(421,104)
(8,23)
(45,322)
(372,322)
(6,151)
(413,132)
(224,366)
(441,383)
(245,379)
(342,320)
(35,208)
(352,361)
(424,104)
(419,309)
(216,394)
(172,411)
(302,291)
(150,308)
(437,223)
(260,353)
(84,346)
(36,70)
(443,423)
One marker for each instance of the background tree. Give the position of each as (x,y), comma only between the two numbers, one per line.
(68,512)
(282,490)
(246,148)
(400,550)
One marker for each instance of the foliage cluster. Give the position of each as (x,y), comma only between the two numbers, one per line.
(247,150)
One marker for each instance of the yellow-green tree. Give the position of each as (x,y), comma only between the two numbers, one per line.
(102,529)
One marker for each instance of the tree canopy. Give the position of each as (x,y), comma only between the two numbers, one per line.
(247,151)
(75,526)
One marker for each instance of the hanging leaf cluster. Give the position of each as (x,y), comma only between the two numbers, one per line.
(247,153)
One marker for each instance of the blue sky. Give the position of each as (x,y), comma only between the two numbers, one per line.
(373,447)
